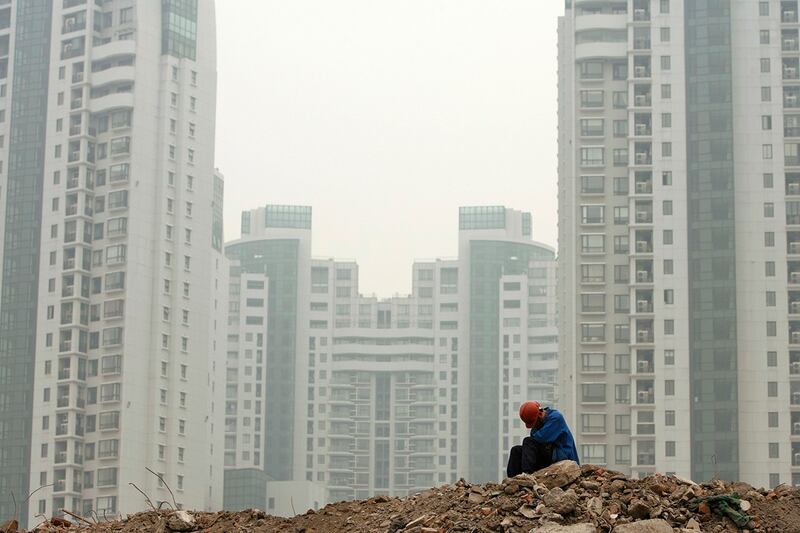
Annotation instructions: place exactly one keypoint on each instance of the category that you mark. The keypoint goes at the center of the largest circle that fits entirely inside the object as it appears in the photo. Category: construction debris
(563, 498)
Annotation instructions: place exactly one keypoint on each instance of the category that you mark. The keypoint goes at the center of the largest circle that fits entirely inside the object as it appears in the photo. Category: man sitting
(550, 441)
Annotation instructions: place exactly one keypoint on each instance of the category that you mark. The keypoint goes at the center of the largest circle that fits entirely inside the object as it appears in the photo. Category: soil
(549, 500)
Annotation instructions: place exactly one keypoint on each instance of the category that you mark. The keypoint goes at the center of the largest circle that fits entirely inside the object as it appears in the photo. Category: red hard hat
(529, 413)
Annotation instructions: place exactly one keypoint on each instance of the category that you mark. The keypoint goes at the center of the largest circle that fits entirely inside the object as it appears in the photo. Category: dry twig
(159, 476)
(146, 497)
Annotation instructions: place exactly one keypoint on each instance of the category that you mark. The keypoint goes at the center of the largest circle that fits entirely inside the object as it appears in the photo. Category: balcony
(790, 70)
(644, 336)
(641, 44)
(644, 305)
(643, 186)
(642, 98)
(794, 302)
(642, 13)
(644, 246)
(644, 212)
(644, 272)
(642, 129)
(790, 44)
(788, 12)
(644, 361)
(793, 243)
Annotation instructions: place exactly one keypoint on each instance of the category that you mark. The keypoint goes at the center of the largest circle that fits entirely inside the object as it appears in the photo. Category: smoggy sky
(386, 116)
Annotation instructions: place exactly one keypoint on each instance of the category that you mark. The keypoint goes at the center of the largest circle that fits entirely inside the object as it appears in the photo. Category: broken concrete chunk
(644, 526)
(558, 474)
(181, 521)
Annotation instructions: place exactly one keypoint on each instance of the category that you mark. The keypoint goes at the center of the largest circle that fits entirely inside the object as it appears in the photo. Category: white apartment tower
(679, 236)
(382, 396)
(112, 269)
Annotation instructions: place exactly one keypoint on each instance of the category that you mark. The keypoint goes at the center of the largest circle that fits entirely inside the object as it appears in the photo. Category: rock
(511, 488)
(558, 474)
(551, 527)
(474, 497)
(744, 505)
(486, 511)
(560, 501)
(617, 485)
(644, 526)
(693, 524)
(180, 521)
(639, 509)
(527, 511)
(590, 485)
(417, 521)
(595, 506)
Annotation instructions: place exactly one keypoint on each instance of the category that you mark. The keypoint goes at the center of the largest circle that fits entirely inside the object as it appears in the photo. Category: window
(622, 424)
(666, 178)
(772, 389)
(665, 35)
(593, 243)
(769, 209)
(774, 450)
(620, 99)
(622, 393)
(620, 128)
(772, 328)
(766, 94)
(621, 186)
(764, 36)
(591, 70)
(666, 149)
(669, 357)
(772, 419)
(666, 91)
(592, 127)
(766, 151)
(769, 269)
(669, 448)
(772, 359)
(592, 156)
(764, 65)
(592, 184)
(768, 180)
(669, 327)
(666, 207)
(666, 62)
(769, 238)
(620, 71)
(664, 6)
(666, 120)
(667, 236)
(592, 214)
(669, 296)
(126, 15)
(592, 98)
(620, 157)
(763, 9)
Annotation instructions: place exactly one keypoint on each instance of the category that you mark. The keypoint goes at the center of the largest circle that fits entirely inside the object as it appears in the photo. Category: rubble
(564, 498)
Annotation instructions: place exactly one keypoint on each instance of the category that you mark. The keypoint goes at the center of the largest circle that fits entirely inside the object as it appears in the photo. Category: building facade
(113, 278)
(678, 193)
(383, 396)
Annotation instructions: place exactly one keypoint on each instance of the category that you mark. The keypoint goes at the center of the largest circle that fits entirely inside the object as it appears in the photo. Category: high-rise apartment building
(376, 395)
(112, 267)
(679, 194)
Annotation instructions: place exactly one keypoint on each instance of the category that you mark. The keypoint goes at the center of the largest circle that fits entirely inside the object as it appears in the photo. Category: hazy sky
(386, 116)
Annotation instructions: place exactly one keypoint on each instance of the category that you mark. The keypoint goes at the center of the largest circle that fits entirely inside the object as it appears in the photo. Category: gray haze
(386, 116)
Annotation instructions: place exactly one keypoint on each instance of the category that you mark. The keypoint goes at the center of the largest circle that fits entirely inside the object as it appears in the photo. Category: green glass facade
(179, 28)
(287, 216)
(711, 240)
(489, 260)
(278, 259)
(245, 488)
(19, 294)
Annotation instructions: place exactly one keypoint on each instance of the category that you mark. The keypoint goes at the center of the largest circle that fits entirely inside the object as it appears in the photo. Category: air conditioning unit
(794, 307)
(639, 13)
(642, 306)
(642, 188)
(794, 188)
(796, 427)
(641, 246)
(790, 72)
(789, 15)
(794, 247)
(796, 397)
(642, 275)
(790, 44)
(790, 100)
(640, 99)
(641, 129)
(643, 366)
(795, 367)
(641, 158)
(640, 71)
(642, 335)
(643, 395)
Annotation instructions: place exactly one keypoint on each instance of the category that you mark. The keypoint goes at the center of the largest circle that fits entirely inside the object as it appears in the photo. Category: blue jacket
(555, 431)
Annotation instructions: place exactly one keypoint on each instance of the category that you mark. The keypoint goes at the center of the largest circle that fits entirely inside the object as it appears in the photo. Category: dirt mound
(563, 498)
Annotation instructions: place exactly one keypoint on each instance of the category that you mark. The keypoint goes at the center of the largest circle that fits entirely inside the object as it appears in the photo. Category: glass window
(591, 70)
(592, 184)
(592, 98)
(592, 127)
(592, 156)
